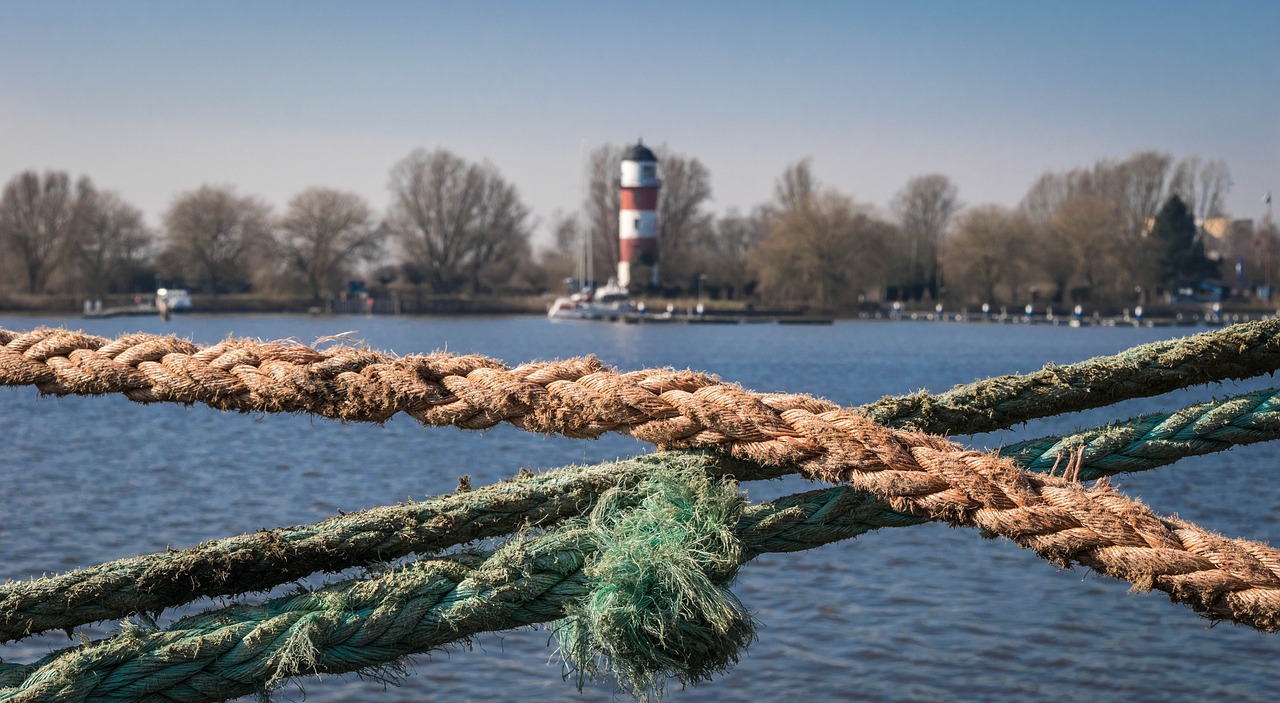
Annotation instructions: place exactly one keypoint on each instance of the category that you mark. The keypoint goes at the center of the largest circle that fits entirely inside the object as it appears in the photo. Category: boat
(94, 309)
(608, 302)
(173, 298)
(166, 301)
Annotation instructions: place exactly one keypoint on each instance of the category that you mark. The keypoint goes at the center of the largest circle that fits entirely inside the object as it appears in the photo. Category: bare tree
(988, 249)
(1053, 258)
(563, 259)
(1215, 183)
(210, 232)
(110, 245)
(324, 233)
(1202, 185)
(924, 208)
(733, 238)
(1136, 186)
(461, 223)
(501, 237)
(600, 208)
(1148, 179)
(38, 218)
(684, 230)
(1045, 196)
(1087, 229)
(829, 253)
(797, 186)
(1091, 224)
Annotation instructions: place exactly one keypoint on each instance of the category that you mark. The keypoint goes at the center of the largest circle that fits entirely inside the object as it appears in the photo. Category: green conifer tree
(1179, 252)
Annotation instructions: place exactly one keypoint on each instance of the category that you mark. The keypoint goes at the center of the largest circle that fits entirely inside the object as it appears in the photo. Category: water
(927, 613)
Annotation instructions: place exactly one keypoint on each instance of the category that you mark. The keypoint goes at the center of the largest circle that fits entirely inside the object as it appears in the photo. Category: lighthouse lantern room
(638, 214)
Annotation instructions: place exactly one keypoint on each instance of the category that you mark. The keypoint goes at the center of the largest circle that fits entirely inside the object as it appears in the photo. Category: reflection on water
(926, 613)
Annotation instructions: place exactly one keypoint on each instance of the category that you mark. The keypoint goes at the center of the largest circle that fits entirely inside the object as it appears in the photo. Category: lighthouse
(638, 213)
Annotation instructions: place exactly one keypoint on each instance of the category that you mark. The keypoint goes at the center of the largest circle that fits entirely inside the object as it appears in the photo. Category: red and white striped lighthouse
(638, 213)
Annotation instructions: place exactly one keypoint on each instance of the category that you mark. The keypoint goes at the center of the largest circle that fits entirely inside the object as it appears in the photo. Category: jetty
(696, 318)
(139, 309)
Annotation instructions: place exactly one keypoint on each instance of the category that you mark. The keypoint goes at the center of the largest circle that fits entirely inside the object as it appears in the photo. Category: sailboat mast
(587, 263)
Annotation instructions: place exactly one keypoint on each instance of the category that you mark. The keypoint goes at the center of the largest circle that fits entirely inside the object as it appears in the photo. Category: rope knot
(660, 607)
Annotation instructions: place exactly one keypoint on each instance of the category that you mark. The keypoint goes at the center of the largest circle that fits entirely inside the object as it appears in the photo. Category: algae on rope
(659, 606)
(262, 560)
(363, 623)
(904, 477)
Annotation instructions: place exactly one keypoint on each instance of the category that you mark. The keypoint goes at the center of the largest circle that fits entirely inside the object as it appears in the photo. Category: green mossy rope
(366, 625)
(1236, 352)
(263, 560)
(369, 625)
(1159, 439)
(681, 615)
(659, 607)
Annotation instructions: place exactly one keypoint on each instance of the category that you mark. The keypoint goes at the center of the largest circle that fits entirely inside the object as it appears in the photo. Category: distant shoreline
(536, 305)
(254, 304)
(426, 305)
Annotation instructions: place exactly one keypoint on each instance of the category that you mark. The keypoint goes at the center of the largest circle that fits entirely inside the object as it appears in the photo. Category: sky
(154, 99)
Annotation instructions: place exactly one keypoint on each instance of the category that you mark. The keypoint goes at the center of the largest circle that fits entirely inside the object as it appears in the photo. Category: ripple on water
(926, 613)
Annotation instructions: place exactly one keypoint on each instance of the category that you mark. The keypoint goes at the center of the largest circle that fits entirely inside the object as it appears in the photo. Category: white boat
(173, 298)
(170, 300)
(608, 302)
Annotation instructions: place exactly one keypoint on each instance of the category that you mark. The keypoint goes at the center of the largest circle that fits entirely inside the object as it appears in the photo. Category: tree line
(1104, 235)
(452, 227)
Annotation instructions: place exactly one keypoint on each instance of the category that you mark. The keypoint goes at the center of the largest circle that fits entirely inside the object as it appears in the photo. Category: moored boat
(608, 302)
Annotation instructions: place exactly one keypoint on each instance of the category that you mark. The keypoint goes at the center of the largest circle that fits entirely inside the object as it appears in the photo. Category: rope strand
(475, 392)
(891, 477)
(362, 624)
(915, 473)
(1159, 439)
(1240, 351)
(266, 559)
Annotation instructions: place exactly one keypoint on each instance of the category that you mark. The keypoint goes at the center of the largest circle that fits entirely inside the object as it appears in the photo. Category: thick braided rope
(917, 473)
(476, 392)
(268, 558)
(265, 559)
(1239, 351)
(1159, 439)
(352, 626)
(358, 624)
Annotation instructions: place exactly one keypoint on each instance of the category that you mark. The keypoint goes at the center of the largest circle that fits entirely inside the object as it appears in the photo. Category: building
(638, 214)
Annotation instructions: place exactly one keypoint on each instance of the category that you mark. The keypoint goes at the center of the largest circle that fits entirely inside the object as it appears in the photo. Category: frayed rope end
(660, 608)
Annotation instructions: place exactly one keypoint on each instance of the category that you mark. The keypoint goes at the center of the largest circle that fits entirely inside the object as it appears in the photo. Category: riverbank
(436, 305)
(259, 304)
(682, 310)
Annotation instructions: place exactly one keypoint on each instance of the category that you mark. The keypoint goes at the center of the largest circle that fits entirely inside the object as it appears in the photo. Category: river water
(926, 613)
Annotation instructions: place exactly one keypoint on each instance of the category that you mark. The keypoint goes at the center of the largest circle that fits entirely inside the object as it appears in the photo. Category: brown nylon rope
(923, 474)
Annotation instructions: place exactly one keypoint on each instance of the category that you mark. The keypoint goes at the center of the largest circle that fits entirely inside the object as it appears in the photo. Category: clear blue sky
(155, 98)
